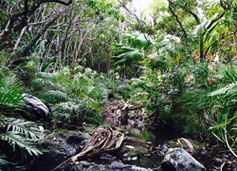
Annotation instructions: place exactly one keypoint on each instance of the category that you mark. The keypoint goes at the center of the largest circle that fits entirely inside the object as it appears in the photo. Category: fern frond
(23, 127)
(229, 88)
(54, 96)
(20, 133)
(45, 75)
(10, 96)
(3, 160)
(16, 139)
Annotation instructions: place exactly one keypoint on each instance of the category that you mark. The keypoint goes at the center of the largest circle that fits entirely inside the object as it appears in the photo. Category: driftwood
(104, 140)
(116, 113)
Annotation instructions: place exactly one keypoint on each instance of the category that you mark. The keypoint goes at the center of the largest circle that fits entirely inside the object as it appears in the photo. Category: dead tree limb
(25, 52)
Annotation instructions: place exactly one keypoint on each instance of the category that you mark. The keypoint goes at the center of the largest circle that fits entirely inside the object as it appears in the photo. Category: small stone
(125, 155)
(41, 128)
(147, 155)
(107, 157)
(129, 146)
(204, 152)
(134, 158)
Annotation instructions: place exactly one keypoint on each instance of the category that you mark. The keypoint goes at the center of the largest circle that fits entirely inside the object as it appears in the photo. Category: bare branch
(137, 18)
(19, 38)
(22, 19)
(177, 19)
(58, 1)
(29, 46)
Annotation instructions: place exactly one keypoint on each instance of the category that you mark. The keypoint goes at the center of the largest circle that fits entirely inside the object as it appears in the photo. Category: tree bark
(29, 46)
(20, 20)
(178, 21)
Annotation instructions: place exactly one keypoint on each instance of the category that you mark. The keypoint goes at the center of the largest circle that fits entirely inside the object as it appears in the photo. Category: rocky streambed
(133, 149)
(135, 154)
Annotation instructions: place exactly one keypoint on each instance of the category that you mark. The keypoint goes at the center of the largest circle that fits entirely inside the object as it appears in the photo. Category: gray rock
(59, 148)
(177, 159)
(68, 143)
(92, 166)
(35, 106)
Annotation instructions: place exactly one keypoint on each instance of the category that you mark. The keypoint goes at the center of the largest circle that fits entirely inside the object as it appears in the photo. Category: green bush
(18, 138)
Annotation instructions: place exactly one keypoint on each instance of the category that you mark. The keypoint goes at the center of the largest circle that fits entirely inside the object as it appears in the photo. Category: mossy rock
(133, 147)
(188, 144)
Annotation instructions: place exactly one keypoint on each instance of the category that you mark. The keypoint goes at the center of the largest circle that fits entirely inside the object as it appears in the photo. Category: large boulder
(36, 107)
(177, 159)
(59, 147)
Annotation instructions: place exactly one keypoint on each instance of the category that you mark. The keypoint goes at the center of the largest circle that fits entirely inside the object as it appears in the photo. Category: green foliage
(146, 136)
(16, 135)
(201, 73)
(4, 17)
(20, 134)
(128, 56)
(53, 96)
(225, 98)
(10, 97)
(77, 98)
(76, 113)
(124, 57)
(166, 80)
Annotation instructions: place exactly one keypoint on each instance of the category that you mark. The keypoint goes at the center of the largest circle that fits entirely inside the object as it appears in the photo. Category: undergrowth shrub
(79, 96)
(183, 96)
(19, 138)
(76, 113)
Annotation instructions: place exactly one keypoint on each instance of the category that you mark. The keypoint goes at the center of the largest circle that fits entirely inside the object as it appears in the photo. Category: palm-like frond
(20, 133)
(10, 96)
(26, 128)
(3, 160)
(126, 56)
(9, 91)
(230, 88)
(16, 139)
(53, 96)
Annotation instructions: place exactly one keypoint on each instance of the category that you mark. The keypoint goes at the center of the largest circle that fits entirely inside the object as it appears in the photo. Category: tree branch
(218, 40)
(59, 1)
(195, 16)
(21, 18)
(138, 20)
(177, 19)
(226, 8)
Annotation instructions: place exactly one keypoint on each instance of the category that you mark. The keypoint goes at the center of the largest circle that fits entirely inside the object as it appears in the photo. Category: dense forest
(118, 85)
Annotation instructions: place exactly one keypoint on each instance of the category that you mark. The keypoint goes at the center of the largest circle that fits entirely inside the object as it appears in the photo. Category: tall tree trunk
(201, 48)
